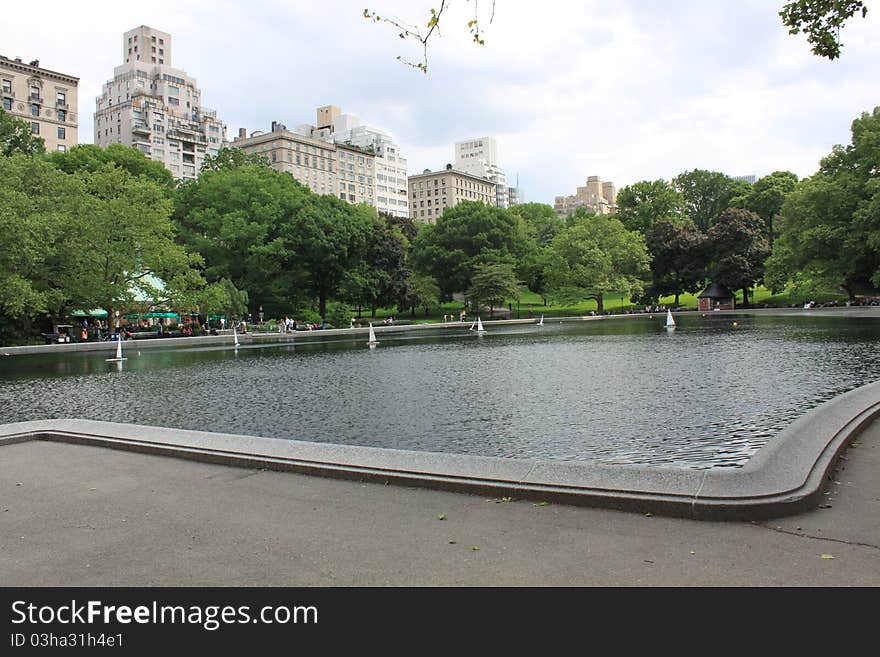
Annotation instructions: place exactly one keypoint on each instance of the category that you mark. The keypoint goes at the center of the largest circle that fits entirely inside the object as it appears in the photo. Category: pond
(622, 391)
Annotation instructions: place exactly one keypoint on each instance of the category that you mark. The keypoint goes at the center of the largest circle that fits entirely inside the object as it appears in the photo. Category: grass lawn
(531, 305)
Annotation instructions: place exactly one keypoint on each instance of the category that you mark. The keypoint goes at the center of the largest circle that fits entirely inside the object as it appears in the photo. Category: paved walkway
(73, 515)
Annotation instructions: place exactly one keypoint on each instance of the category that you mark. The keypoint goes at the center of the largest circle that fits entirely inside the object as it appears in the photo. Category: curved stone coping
(787, 476)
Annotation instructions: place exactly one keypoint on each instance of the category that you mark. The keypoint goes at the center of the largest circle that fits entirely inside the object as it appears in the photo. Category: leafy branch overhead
(431, 27)
(821, 21)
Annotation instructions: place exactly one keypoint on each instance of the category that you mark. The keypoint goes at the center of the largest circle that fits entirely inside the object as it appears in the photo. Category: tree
(821, 21)
(16, 137)
(830, 224)
(738, 249)
(420, 291)
(596, 256)
(642, 204)
(321, 240)
(707, 194)
(233, 158)
(123, 241)
(467, 235)
(491, 285)
(91, 158)
(677, 252)
(765, 198)
(36, 202)
(229, 216)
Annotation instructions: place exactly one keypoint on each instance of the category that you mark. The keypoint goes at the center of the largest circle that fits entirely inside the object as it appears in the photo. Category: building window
(35, 128)
(62, 115)
(61, 98)
(62, 133)
(7, 86)
(35, 110)
(7, 104)
(35, 92)
(62, 148)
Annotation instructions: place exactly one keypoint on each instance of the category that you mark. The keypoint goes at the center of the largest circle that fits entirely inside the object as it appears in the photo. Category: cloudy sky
(627, 90)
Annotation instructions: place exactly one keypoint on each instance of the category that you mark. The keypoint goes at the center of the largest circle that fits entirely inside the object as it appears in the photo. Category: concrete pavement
(80, 515)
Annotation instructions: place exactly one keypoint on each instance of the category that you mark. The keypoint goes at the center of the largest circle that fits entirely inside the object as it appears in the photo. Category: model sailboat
(372, 341)
(235, 337)
(670, 323)
(541, 321)
(480, 329)
(119, 357)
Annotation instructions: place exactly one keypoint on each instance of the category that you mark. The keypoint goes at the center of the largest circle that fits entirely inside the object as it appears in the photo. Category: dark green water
(622, 391)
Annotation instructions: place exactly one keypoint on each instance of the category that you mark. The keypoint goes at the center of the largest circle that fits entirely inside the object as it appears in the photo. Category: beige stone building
(432, 192)
(157, 108)
(346, 171)
(46, 100)
(596, 196)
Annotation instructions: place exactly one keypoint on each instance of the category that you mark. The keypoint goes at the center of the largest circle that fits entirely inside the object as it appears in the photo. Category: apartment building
(157, 108)
(333, 126)
(479, 157)
(596, 196)
(344, 170)
(46, 100)
(432, 192)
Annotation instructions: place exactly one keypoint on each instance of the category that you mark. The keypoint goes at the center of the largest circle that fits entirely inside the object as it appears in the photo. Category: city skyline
(633, 91)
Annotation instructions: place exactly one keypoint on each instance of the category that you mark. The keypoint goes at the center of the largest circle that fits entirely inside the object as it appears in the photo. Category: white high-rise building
(390, 173)
(157, 108)
(479, 157)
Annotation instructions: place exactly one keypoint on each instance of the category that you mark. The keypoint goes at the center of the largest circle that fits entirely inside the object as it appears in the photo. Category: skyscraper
(157, 108)
(479, 157)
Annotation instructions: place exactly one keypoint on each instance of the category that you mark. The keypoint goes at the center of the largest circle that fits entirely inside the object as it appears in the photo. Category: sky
(627, 90)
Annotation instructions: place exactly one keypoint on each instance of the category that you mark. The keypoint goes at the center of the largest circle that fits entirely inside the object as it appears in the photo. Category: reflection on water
(625, 391)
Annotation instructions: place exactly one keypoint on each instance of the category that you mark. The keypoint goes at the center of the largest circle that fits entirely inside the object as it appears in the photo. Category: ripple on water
(622, 392)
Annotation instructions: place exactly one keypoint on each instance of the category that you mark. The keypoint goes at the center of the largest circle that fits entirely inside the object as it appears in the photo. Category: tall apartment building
(344, 170)
(390, 165)
(432, 192)
(157, 108)
(46, 100)
(480, 157)
(596, 196)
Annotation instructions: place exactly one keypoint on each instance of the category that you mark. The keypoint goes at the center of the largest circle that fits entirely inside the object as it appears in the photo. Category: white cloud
(629, 90)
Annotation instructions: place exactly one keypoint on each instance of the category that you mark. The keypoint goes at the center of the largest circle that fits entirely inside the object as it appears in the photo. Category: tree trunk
(412, 311)
(676, 299)
(745, 296)
(600, 307)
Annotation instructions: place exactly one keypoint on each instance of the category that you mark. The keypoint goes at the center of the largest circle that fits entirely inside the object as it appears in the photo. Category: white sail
(372, 339)
(541, 321)
(235, 336)
(480, 328)
(118, 357)
(473, 325)
(670, 323)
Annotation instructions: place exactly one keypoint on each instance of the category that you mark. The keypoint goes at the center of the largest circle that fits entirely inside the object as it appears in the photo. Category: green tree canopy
(491, 285)
(92, 158)
(16, 137)
(595, 256)
(233, 158)
(738, 249)
(765, 198)
(830, 224)
(642, 204)
(821, 21)
(467, 235)
(678, 258)
(707, 194)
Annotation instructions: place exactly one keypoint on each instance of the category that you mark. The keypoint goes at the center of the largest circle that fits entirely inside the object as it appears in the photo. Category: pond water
(623, 391)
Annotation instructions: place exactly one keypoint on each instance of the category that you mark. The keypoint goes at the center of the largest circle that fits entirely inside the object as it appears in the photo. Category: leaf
(827, 556)
(475, 547)
(542, 503)
(441, 516)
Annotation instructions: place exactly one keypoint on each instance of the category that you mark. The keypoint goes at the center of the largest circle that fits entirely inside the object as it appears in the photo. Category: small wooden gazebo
(716, 297)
